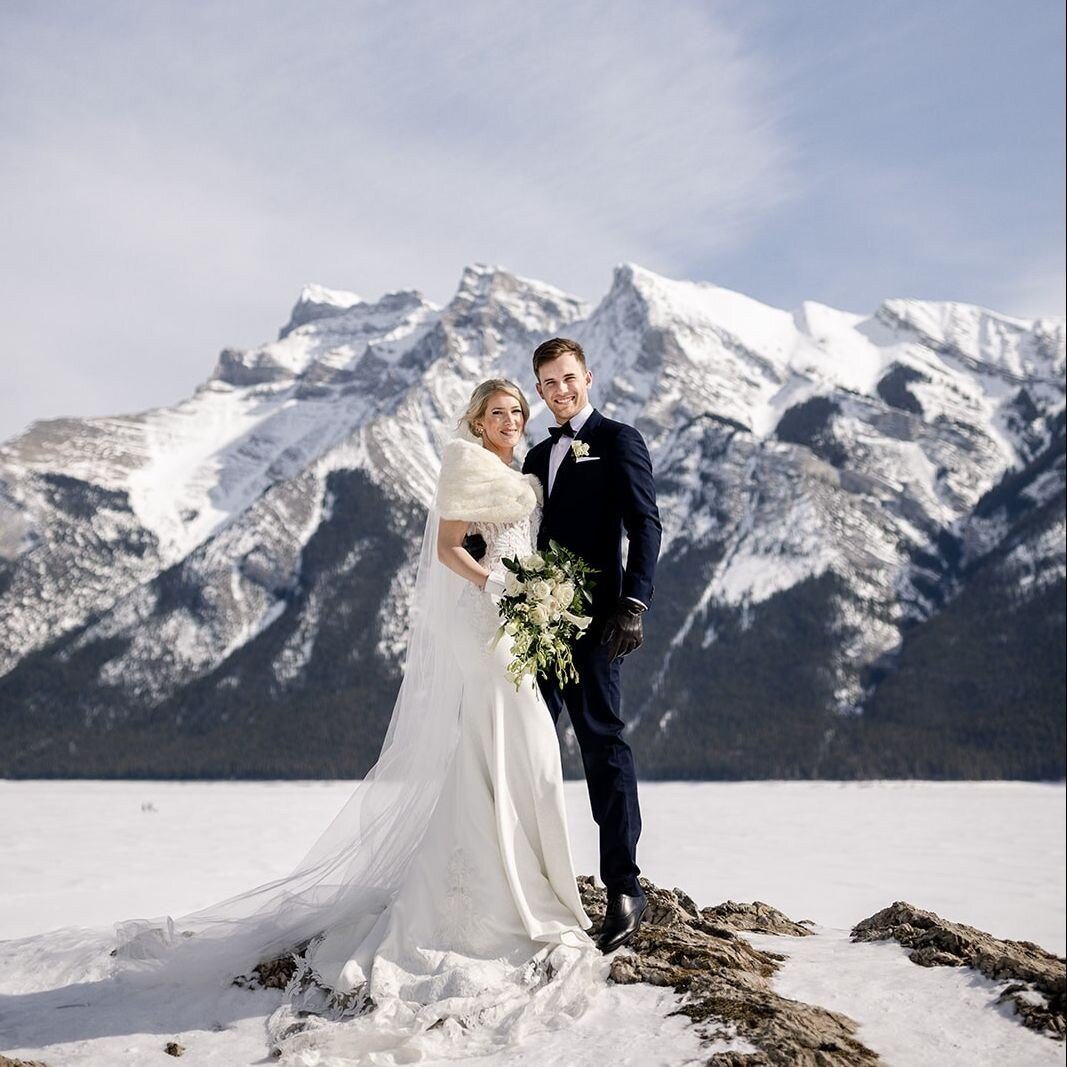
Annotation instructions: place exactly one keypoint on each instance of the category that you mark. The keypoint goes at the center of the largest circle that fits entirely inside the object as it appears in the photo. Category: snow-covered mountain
(859, 511)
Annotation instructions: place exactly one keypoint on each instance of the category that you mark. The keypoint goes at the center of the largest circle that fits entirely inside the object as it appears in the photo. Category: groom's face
(563, 384)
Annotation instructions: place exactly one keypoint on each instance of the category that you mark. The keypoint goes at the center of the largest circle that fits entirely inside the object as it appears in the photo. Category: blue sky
(175, 172)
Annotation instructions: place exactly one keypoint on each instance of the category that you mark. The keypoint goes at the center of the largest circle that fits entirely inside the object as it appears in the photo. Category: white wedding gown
(485, 940)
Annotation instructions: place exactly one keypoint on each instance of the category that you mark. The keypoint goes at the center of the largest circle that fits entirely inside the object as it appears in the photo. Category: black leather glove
(475, 545)
(623, 632)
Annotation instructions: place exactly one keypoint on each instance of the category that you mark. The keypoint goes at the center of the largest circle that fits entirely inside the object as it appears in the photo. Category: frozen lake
(986, 853)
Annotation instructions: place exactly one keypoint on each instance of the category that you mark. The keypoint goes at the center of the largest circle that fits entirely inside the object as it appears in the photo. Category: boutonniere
(579, 448)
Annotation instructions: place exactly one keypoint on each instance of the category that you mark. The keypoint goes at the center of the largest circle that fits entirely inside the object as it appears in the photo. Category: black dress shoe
(621, 921)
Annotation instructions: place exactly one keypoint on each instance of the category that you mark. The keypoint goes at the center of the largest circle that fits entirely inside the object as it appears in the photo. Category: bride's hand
(494, 584)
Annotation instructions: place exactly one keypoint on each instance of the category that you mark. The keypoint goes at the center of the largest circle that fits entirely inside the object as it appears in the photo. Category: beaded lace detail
(507, 538)
(502, 539)
(456, 919)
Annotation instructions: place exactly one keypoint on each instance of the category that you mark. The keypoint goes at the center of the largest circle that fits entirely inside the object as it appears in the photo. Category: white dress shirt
(559, 449)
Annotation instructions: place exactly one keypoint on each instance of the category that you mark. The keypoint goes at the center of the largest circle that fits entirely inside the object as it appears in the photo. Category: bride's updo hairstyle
(480, 401)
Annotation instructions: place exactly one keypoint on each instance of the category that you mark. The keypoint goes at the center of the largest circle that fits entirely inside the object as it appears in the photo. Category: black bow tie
(566, 429)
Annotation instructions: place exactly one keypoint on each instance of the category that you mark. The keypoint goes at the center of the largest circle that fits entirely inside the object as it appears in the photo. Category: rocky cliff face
(862, 569)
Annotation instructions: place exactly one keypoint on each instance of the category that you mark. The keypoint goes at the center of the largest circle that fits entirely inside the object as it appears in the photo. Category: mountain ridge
(821, 476)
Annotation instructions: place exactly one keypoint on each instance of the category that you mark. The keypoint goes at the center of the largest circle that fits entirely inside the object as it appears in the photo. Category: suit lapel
(569, 460)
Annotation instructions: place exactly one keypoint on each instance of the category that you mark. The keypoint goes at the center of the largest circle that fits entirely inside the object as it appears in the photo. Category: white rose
(565, 593)
(540, 590)
(539, 613)
(513, 584)
(534, 563)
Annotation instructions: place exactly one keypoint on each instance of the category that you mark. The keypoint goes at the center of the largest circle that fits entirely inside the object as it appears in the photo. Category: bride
(438, 914)
(487, 909)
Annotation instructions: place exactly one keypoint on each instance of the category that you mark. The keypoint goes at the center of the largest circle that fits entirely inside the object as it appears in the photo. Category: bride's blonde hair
(479, 401)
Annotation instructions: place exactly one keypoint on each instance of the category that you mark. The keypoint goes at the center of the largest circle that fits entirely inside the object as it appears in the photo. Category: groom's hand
(475, 544)
(624, 633)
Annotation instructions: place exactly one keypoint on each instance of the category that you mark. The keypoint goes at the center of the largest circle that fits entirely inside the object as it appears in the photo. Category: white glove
(494, 584)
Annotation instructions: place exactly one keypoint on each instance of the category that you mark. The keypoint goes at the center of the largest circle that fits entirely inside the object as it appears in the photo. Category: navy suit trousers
(593, 704)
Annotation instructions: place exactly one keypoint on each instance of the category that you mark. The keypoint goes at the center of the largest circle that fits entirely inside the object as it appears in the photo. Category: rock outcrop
(1037, 980)
(726, 983)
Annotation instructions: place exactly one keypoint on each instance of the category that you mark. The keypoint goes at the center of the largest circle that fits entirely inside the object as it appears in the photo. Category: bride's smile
(502, 424)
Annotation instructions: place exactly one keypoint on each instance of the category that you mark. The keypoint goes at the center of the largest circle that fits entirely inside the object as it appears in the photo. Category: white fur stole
(477, 486)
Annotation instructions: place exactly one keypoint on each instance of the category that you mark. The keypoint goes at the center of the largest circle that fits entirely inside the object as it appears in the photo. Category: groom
(598, 483)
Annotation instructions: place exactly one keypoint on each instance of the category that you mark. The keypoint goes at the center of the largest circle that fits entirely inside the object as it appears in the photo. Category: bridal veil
(359, 861)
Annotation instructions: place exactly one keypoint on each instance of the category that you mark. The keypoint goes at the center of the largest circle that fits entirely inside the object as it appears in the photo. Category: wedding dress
(489, 911)
(437, 916)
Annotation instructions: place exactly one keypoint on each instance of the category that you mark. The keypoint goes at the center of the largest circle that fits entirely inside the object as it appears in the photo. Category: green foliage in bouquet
(545, 594)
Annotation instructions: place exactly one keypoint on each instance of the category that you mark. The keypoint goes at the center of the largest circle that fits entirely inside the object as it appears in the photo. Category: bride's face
(502, 423)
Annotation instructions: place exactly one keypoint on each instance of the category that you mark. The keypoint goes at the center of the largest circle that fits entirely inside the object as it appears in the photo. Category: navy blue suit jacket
(595, 500)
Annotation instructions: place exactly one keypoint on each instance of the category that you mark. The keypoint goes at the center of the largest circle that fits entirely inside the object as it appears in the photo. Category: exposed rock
(757, 918)
(1037, 979)
(172, 1048)
(6, 1061)
(726, 983)
(272, 974)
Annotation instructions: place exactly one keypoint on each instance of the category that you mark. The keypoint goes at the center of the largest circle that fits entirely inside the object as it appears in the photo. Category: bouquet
(544, 594)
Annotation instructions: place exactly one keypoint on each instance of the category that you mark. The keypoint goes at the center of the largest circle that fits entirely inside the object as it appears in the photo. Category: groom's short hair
(553, 349)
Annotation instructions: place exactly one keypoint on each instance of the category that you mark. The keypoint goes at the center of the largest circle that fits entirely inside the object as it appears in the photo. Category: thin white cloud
(181, 170)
